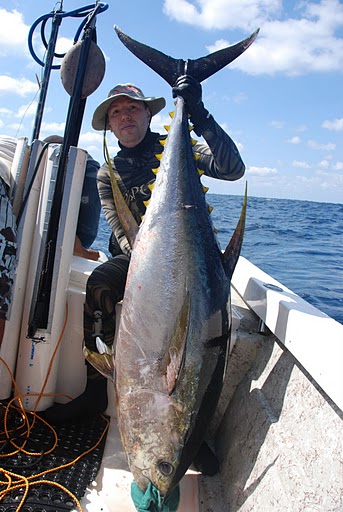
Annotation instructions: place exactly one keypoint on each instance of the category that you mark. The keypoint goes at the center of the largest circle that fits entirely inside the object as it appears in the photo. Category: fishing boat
(277, 430)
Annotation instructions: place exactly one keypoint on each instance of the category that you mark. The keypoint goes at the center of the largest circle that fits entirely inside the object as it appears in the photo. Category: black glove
(190, 90)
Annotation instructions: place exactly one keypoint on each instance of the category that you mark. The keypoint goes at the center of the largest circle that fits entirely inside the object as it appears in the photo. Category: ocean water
(299, 243)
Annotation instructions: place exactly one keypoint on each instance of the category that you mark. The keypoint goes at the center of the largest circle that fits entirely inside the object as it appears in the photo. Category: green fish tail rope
(152, 501)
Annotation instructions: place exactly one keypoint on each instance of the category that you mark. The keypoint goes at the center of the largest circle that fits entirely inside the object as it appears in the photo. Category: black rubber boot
(92, 401)
(205, 461)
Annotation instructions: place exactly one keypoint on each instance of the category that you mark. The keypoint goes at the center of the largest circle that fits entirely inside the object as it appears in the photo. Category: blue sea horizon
(298, 242)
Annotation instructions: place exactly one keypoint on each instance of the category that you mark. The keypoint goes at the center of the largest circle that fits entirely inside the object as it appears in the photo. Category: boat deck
(268, 434)
(110, 492)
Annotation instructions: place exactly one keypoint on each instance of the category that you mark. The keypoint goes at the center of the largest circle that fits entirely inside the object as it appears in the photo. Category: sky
(281, 101)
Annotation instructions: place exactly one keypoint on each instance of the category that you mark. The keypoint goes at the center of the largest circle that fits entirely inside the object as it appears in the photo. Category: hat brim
(155, 104)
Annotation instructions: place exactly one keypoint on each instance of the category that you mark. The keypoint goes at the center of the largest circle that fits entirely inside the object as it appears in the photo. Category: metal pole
(71, 136)
(46, 75)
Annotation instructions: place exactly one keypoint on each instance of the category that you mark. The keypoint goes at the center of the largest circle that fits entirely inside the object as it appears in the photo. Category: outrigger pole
(41, 302)
(57, 19)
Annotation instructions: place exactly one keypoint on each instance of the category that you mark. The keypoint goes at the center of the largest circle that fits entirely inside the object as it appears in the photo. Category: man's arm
(83, 252)
(221, 158)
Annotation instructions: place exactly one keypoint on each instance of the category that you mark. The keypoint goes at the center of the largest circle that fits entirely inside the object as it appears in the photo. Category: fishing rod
(41, 302)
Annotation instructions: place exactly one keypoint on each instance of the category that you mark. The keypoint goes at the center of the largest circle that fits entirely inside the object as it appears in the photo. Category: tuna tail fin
(170, 69)
(233, 249)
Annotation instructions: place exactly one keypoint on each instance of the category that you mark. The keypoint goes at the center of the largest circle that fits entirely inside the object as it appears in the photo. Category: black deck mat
(74, 438)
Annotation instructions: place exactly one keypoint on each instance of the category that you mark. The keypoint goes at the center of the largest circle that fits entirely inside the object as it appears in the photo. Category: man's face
(129, 120)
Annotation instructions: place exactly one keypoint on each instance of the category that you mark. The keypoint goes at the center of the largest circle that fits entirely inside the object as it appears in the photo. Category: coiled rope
(13, 481)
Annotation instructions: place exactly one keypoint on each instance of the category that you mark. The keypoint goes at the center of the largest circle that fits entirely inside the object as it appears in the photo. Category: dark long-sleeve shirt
(132, 167)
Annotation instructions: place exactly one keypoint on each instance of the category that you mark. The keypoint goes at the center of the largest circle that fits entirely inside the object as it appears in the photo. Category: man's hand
(190, 90)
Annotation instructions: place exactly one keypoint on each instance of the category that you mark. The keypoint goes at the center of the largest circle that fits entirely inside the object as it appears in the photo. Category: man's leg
(105, 288)
(8, 254)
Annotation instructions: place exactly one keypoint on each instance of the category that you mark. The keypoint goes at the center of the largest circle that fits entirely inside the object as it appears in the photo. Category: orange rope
(16, 481)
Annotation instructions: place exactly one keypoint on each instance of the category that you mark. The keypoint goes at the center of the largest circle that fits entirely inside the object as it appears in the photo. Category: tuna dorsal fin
(233, 249)
(172, 362)
(170, 69)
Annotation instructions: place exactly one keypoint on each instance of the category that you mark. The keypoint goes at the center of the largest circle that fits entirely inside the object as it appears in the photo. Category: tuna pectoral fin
(172, 362)
(103, 363)
(233, 250)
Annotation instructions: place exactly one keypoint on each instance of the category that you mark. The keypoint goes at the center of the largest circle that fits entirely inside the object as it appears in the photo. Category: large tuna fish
(174, 330)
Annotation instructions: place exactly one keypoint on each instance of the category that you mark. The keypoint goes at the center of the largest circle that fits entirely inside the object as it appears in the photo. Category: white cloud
(63, 44)
(324, 164)
(338, 166)
(240, 97)
(13, 33)
(91, 138)
(262, 171)
(5, 112)
(301, 128)
(294, 140)
(159, 121)
(19, 86)
(52, 128)
(93, 143)
(277, 124)
(221, 14)
(300, 164)
(16, 126)
(335, 124)
(313, 144)
(292, 45)
(27, 110)
(322, 181)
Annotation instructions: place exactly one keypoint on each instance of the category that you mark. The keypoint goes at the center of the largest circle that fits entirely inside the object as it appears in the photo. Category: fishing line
(23, 116)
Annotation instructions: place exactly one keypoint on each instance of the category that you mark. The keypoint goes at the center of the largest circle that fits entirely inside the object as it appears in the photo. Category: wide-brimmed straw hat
(155, 104)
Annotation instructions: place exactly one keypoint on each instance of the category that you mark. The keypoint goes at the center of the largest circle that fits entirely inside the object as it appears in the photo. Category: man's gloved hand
(190, 90)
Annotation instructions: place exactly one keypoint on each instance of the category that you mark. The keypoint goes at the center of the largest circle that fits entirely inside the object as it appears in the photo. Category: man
(8, 230)
(90, 207)
(127, 114)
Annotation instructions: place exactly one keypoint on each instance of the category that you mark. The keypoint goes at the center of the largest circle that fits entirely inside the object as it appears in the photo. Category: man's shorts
(8, 250)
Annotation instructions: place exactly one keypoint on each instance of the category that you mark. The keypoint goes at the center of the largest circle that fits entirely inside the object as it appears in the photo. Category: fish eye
(166, 468)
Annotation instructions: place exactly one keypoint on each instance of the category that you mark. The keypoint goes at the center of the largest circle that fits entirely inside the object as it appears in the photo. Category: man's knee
(110, 274)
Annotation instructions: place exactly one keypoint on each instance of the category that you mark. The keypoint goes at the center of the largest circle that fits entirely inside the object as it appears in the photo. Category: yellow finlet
(200, 172)
(155, 171)
(210, 208)
(172, 114)
(196, 156)
(167, 127)
(193, 141)
(205, 189)
(216, 231)
(151, 186)
(146, 203)
(162, 142)
(159, 156)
